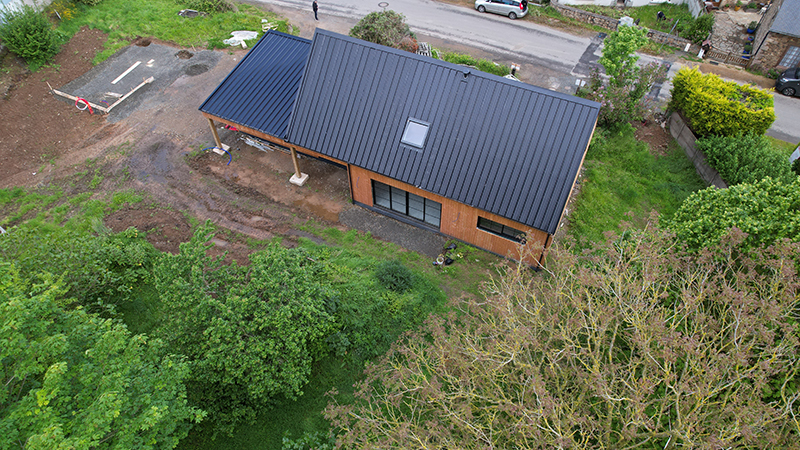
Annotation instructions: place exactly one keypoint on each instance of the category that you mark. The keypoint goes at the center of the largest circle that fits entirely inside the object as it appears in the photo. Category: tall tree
(635, 344)
(72, 380)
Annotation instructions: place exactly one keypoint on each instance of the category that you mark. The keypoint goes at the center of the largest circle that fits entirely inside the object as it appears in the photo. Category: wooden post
(296, 164)
(298, 178)
(214, 130)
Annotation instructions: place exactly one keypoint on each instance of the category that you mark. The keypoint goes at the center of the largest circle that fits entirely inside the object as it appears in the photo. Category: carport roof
(260, 91)
(499, 145)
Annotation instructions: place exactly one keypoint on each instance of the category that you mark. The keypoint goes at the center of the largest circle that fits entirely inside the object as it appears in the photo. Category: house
(474, 156)
(777, 39)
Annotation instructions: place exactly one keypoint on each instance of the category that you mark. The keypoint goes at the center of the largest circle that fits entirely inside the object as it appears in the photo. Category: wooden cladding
(457, 219)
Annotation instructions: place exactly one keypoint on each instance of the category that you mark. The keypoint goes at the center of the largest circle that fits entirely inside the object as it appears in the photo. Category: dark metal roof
(496, 144)
(260, 91)
(787, 19)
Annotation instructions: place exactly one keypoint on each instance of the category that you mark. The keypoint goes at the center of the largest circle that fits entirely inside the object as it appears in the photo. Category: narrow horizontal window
(501, 230)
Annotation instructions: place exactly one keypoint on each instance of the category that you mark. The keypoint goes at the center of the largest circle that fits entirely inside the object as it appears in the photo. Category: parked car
(789, 82)
(510, 8)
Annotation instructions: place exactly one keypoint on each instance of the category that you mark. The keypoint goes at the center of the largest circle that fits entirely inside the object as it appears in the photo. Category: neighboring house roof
(787, 19)
(499, 145)
(260, 91)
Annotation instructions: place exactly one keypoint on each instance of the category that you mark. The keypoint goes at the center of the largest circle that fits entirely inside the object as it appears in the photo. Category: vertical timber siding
(458, 220)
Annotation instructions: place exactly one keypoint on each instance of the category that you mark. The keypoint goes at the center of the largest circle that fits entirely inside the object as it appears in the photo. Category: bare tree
(635, 344)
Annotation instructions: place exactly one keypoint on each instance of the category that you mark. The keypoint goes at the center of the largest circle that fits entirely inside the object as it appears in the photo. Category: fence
(728, 58)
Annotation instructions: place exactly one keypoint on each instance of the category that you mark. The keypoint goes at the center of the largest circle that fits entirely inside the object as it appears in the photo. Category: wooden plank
(75, 99)
(121, 99)
(126, 72)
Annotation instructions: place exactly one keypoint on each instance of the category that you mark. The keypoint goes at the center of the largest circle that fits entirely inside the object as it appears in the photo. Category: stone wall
(611, 24)
(686, 139)
(585, 16)
(772, 51)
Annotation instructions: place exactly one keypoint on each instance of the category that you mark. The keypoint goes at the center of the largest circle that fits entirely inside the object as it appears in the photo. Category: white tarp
(239, 37)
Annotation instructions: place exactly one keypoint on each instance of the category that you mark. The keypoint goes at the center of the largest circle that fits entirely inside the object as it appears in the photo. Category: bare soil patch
(654, 135)
(36, 128)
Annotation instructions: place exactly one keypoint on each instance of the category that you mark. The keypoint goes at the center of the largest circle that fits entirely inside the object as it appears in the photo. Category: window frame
(416, 122)
(431, 210)
(518, 236)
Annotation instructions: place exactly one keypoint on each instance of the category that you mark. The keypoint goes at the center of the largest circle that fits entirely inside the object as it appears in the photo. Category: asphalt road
(787, 122)
(519, 39)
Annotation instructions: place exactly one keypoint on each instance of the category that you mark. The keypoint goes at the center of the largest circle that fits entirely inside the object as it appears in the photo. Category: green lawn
(622, 176)
(123, 20)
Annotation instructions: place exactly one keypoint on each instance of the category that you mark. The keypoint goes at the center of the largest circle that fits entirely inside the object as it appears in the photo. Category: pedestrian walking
(314, 7)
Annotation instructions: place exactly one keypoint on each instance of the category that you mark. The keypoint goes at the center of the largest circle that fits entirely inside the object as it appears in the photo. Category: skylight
(416, 132)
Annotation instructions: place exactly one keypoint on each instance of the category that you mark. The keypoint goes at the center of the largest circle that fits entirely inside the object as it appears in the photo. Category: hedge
(767, 210)
(745, 158)
(717, 107)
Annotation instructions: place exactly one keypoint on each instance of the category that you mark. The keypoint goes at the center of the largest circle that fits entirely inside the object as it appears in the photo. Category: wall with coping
(686, 139)
(611, 24)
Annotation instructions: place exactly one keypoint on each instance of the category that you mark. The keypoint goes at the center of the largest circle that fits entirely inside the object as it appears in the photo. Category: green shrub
(745, 158)
(484, 65)
(699, 29)
(89, 2)
(717, 107)
(394, 276)
(385, 28)
(766, 210)
(29, 35)
(796, 166)
(209, 6)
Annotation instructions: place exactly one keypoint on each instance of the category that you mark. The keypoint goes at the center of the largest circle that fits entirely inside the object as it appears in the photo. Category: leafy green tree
(251, 333)
(635, 344)
(766, 210)
(745, 158)
(28, 34)
(386, 28)
(72, 380)
(622, 99)
(99, 269)
(619, 54)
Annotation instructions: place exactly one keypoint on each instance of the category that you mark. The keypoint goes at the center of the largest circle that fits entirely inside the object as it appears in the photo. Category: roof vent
(466, 73)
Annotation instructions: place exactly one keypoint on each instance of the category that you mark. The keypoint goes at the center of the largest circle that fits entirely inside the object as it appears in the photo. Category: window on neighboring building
(415, 133)
(499, 229)
(791, 58)
(406, 203)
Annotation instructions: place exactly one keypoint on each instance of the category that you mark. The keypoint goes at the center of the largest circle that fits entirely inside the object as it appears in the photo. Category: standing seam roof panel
(461, 158)
(246, 98)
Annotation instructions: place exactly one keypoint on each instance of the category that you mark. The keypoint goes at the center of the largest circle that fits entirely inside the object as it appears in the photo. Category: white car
(510, 8)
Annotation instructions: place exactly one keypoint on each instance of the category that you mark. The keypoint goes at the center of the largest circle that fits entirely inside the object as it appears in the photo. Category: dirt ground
(156, 150)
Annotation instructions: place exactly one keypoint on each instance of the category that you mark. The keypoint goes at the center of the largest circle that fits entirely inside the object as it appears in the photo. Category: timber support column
(219, 143)
(298, 178)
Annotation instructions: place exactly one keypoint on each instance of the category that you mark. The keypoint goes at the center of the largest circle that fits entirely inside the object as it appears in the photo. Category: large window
(406, 203)
(499, 229)
(791, 58)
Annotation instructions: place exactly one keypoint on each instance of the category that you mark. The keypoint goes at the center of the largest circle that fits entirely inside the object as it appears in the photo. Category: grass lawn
(123, 20)
(622, 176)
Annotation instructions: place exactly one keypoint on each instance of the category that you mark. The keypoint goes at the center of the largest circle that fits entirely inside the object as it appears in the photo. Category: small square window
(415, 133)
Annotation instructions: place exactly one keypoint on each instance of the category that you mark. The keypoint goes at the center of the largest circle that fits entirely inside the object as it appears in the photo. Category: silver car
(510, 8)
